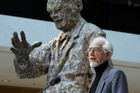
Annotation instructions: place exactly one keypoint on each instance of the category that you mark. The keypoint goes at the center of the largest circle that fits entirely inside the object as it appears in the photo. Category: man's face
(64, 13)
(96, 54)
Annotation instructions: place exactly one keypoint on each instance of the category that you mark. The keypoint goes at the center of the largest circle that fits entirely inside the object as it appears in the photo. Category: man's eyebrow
(93, 47)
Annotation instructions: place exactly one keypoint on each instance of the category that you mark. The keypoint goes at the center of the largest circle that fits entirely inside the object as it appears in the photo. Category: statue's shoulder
(91, 30)
(90, 27)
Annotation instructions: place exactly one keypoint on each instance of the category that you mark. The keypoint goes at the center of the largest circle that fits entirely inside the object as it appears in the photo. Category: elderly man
(107, 79)
(62, 58)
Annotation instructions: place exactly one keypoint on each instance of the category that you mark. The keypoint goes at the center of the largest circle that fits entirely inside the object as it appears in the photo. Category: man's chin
(94, 64)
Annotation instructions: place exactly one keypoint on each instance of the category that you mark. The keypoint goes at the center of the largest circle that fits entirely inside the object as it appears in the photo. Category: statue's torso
(74, 72)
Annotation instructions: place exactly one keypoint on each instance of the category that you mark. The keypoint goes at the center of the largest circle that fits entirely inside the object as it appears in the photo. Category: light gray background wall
(126, 45)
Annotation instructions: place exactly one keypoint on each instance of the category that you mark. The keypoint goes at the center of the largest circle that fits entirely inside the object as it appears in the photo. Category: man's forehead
(96, 44)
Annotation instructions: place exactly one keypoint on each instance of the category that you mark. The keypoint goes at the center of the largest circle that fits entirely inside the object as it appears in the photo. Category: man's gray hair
(107, 46)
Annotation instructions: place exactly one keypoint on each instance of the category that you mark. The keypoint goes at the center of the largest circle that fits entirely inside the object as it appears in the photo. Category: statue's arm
(29, 63)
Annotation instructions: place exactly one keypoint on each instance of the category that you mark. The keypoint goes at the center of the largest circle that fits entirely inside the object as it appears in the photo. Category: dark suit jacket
(113, 80)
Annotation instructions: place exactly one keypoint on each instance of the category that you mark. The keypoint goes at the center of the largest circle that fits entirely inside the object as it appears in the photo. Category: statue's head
(65, 13)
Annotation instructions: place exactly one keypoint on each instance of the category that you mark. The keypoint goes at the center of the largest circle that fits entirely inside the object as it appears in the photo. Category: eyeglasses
(94, 49)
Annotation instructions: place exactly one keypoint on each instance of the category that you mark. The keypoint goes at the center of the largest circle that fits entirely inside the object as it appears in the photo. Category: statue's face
(63, 12)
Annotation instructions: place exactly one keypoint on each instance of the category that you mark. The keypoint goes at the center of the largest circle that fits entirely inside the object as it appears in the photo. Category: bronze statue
(63, 57)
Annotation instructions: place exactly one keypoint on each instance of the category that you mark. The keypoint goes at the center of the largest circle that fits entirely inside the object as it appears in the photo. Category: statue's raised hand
(21, 48)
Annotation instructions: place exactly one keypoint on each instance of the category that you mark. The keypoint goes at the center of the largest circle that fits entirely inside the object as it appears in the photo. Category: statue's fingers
(36, 45)
(14, 43)
(23, 37)
(16, 39)
(14, 51)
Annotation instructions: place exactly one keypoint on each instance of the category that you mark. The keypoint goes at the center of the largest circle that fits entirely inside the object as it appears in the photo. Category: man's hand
(21, 48)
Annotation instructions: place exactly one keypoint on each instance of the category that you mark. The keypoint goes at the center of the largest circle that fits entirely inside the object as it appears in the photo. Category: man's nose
(91, 53)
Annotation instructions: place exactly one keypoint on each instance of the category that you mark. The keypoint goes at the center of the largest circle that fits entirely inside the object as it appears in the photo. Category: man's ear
(107, 55)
